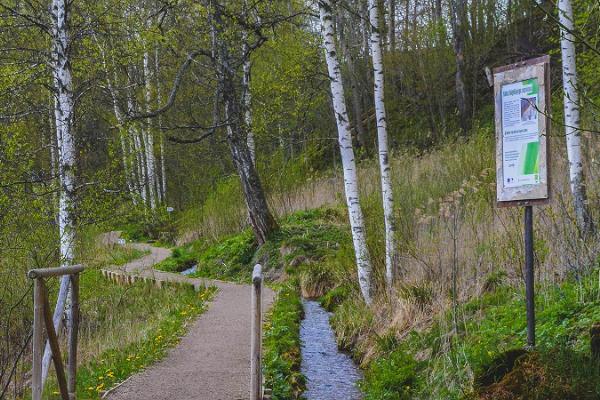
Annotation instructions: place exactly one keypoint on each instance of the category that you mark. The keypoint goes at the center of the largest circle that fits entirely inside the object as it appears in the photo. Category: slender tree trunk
(571, 109)
(148, 133)
(391, 25)
(63, 112)
(363, 259)
(247, 99)
(382, 140)
(138, 147)
(457, 13)
(163, 170)
(262, 221)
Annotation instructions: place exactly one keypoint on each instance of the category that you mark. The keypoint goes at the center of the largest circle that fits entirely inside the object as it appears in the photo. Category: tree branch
(176, 84)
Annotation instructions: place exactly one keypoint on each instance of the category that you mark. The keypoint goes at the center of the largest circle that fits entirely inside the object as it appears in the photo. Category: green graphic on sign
(530, 162)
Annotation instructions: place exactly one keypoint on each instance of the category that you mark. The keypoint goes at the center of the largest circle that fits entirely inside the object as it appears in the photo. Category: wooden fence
(42, 320)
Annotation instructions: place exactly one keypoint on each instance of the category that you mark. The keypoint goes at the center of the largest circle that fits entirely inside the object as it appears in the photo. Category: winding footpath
(212, 361)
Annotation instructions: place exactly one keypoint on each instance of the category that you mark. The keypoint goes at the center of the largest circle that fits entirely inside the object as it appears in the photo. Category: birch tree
(382, 141)
(63, 116)
(261, 220)
(148, 134)
(247, 100)
(163, 169)
(571, 110)
(363, 259)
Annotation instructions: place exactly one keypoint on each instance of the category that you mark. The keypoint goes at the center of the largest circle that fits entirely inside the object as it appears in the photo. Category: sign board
(522, 99)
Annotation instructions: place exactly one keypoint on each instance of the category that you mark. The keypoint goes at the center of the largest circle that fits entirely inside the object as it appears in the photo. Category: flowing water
(330, 374)
(190, 270)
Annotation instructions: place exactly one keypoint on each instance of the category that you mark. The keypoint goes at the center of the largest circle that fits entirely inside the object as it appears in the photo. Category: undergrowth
(281, 343)
(442, 363)
(305, 237)
(125, 329)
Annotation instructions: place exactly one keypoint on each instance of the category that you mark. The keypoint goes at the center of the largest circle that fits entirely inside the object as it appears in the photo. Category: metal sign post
(529, 277)
(522, 100)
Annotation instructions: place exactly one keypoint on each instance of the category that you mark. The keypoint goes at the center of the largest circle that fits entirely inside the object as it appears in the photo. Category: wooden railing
(42, 318)
(256, 391)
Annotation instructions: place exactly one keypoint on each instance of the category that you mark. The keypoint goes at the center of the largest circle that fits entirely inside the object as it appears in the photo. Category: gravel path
(212, 361)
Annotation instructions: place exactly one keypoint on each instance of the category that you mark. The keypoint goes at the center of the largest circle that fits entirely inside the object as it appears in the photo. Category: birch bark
(163, 170)
(247, 97)
(382, 141)
(63, 116)
(363, 259)
(140, 160)
(572, 122)
(148, 134)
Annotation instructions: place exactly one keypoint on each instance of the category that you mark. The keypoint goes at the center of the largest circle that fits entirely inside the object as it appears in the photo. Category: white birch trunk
(148, 135)
(63, 112)
(163, 171)
(382, 140)
(140, 160)
(571, 110)
(247, 99)
(363, 259)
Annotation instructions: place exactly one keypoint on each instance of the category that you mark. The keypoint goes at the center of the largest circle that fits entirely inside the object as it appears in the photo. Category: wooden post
(73, 332)
(42, 316)
(53, 340)
(38, 340)
(255, 350)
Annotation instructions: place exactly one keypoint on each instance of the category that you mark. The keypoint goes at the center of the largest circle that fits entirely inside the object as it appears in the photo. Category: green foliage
(391, 378)
(490, 328)
(230, 258)
(281, 343)
(305, 236)
(335, 297)
(181, 259)
(123, 254)
(143, 227)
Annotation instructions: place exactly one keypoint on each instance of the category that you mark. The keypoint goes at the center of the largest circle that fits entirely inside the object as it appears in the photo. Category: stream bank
(330, 373)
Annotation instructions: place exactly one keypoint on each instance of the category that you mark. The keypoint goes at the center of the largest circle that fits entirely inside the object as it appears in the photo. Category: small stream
(330, 374)
(190, 270)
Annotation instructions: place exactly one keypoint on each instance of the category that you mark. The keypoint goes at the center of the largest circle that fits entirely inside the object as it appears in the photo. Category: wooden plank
(256, 340)
(49, 272)
(56, 356)
(73, 332)
(38, 340)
